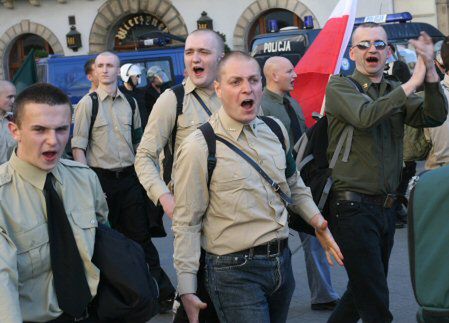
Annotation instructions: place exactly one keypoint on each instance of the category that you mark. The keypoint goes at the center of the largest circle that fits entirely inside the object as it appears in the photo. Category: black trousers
(128, 215)
(365, 235)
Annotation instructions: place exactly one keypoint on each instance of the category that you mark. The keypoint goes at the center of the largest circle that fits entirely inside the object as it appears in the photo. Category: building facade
(121, 25)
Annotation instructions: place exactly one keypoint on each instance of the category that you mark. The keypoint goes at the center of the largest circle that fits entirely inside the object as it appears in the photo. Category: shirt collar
(366, 82)
(234, 128)
(102, 94)
(274, 96)
(30, 173)
(189, 87)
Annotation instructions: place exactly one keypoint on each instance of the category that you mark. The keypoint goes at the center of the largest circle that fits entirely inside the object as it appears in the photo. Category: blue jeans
(365, 234)
(246, 288)
(318, 272)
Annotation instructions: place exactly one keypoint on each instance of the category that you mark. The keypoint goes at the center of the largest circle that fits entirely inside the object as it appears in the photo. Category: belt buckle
(276, 244)
(84, 316)
(389, 201)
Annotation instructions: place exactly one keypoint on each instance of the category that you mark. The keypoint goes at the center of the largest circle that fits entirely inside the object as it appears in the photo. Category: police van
(67, 72)
(292, 43)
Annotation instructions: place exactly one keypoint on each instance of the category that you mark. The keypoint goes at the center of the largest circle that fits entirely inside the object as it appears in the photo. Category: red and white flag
(323, 58)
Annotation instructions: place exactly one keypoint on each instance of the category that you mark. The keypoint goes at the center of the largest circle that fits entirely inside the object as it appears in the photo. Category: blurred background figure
(7, 96)
(131, 76)
(157, 82)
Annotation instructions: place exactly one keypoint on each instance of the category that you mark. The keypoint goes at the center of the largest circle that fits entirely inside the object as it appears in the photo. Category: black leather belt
(124, 172)
(269, 249)
(386, 201)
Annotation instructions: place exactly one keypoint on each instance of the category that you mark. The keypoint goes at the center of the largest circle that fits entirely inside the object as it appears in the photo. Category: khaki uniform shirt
(439, 137)
(378, 116)
(110, 146)
(26, 290)
(240, 209)
(159, 129)
(273, 105)
(7, 143)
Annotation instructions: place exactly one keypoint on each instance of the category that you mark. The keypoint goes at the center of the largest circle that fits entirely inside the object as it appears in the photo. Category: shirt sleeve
(83, 114)
(156, 135)
(428, 112)
(101, 206)
(357, 109)
(192, 200)
(9, 294)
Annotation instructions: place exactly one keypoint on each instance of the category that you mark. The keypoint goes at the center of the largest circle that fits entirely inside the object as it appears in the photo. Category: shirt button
(116, 128)
(271, 203)
(192, 122)
(93, 221)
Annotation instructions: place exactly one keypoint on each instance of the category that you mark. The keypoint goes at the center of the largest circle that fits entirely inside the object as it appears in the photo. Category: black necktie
(72, 290)
(294, 121)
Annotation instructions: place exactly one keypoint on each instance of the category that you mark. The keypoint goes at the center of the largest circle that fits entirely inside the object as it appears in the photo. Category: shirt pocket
(100, 129)
(230, 179)
(33, 252)
(187, 123)
(280, 164)
(84, 225)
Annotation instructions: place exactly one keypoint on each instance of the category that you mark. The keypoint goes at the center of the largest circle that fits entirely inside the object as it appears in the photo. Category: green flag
(26, 75)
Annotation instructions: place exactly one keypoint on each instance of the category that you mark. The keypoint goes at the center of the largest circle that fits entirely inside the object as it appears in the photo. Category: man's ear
(217, 88)
(14, 130)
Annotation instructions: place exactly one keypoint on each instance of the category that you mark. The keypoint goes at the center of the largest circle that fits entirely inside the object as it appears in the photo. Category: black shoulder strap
(287, 199)
(179, 92)
(168, 154)
(209, 135)
(274, 126)
(196, 95)
(93, 117)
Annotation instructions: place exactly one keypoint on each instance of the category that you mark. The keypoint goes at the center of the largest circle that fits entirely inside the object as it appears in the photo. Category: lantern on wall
(205, 22)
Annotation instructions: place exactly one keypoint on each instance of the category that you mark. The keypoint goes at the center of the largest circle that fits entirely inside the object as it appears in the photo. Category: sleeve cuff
(157, 191)
(79, 142)
(187, 283)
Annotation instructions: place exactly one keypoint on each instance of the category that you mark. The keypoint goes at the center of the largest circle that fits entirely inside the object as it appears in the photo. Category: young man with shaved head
(108, 146)
(365, 183)
(7, 96)
(50, 208)
(276, 101)
(168, 126)
(238, 218)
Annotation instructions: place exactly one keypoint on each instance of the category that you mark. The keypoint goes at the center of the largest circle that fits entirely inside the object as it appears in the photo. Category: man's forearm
(79, 155)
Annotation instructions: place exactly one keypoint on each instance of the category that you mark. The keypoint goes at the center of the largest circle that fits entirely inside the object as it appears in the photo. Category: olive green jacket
(378, 118)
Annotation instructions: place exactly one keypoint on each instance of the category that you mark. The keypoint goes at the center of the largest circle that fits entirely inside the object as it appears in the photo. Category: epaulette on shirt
(72, 163)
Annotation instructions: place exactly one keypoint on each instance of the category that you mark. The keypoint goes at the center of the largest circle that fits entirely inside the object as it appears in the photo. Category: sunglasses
(364, 45)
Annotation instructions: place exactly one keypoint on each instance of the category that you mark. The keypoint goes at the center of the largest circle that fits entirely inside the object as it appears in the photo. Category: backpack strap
(93, 117)
(276, 128)
(198, 98)
(169, 154)
(209, 135)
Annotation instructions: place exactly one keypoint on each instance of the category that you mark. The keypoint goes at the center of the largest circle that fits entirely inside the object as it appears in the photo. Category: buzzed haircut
(366, 25)
(217, 37)
(42, 93)
(231, 55)
(107, 53)
(89, 66)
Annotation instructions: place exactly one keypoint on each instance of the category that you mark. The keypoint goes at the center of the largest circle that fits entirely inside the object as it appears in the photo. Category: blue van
(292, 43)
(67, 72)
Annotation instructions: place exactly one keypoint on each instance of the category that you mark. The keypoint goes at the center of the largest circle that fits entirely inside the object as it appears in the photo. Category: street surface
(402, 302)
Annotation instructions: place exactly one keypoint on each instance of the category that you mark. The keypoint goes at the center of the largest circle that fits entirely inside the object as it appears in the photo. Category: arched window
(22, 46)
(282, 18)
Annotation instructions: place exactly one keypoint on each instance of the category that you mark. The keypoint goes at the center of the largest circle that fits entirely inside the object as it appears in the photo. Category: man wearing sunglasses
(365, 182)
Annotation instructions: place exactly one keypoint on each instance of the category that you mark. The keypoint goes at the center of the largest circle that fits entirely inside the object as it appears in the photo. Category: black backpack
(312, 161)
(295, 221)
